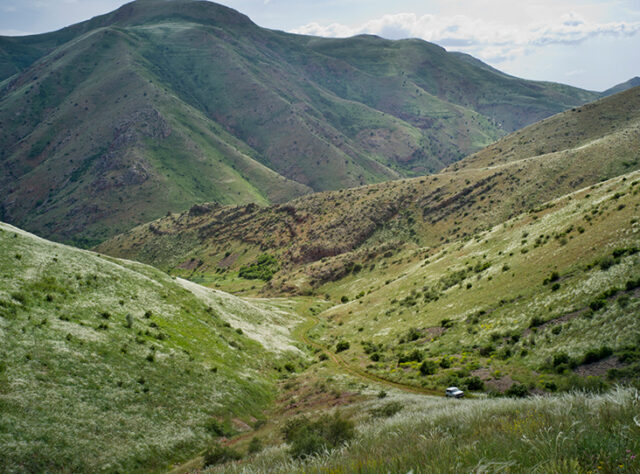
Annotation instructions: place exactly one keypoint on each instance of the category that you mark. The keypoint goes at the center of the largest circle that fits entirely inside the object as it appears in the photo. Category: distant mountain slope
(633, 82)
(112, 365)
(317, 237)
(163, 104)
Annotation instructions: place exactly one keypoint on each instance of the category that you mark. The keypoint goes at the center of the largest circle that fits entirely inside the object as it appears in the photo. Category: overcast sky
(591, 44)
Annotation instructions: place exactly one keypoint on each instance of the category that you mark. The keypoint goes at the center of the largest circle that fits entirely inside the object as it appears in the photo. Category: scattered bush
(536, 321)
(486, 351)
(595, 355)
(387, 410)
(473, 383)
(310, 437)
(263, 269)
(446, 323)
(555, 276)
(428, 367)
(517, 390)
(220, 454)
(342, 346)
(217, 429)
(413, 334)
(255, 445)
(597, 304)
(413, 356)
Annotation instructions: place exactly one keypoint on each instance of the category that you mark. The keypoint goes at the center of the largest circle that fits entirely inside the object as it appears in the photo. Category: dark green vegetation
(165, 104)
(112, 365)
(308, 437)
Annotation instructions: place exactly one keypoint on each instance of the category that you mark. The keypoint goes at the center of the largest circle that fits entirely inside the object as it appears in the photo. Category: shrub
(445, 363)
(310, 437)
(517, 390)
(414, 356)
(220, 454)
(382, 394)
(263, 269)
(255, 445)
(413, 334)
(486, 351)
(446, 323)
(342, 346)
(344, 299)
(387, 410)
(560, 358)
(428, 367)
(536, 321)
(555, 276)
(595, 355)
(473, 383)
(215, 428)
(598, 304)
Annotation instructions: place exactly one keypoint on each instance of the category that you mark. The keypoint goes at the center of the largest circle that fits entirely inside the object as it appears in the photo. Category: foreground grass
(109, 365)
(576, 432)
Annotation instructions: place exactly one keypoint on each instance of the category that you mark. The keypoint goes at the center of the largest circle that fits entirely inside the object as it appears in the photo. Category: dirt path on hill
(302, 333)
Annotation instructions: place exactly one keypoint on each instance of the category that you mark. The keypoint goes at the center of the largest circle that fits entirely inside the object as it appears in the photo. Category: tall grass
(575, 432)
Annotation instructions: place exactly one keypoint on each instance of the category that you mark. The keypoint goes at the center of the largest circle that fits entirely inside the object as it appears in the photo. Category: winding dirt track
(302, 333)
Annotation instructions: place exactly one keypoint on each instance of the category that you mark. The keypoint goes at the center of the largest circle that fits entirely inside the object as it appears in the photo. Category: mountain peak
(148, 11)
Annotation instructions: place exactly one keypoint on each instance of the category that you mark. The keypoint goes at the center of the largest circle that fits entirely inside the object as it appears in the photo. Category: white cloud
(488, 40)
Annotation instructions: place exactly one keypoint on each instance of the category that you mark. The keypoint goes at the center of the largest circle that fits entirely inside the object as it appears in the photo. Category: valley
(225, 248)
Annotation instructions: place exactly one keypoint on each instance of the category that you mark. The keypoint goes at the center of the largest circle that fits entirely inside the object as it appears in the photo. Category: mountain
(633, 82)
(112, 365)
(515, 271)
(317, 237)
(164, 104)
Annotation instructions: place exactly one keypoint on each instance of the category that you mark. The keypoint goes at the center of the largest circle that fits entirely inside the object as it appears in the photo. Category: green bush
(310, 437)
(255, 445)
(517, 390)
(263, 269)
(215, 428)
(387, 410)
(413, 356)
(473, 383)
(595, 355)
(428, 367)
(342, 346)
(220, 454)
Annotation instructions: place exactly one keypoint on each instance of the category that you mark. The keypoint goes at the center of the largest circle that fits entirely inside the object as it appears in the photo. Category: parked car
(454, 392)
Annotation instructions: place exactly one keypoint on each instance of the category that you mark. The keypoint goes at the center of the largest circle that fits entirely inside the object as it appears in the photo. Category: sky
(593, 44)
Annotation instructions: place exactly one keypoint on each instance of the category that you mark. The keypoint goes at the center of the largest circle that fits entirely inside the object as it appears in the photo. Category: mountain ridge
(190, 102)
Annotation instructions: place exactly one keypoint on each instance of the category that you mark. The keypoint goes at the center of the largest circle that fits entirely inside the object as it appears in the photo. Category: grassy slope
(482, 239)
(576, 433)
(492, 288)
(161, 105)
(80, 390)
(317, 237)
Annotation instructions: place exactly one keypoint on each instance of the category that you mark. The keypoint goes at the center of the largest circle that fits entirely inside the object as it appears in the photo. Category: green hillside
(110, 365)
(164, 104)
(317, 238)
(509, 267)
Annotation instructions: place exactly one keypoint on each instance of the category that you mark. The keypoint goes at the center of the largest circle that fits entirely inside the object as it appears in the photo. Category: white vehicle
(454, 392)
